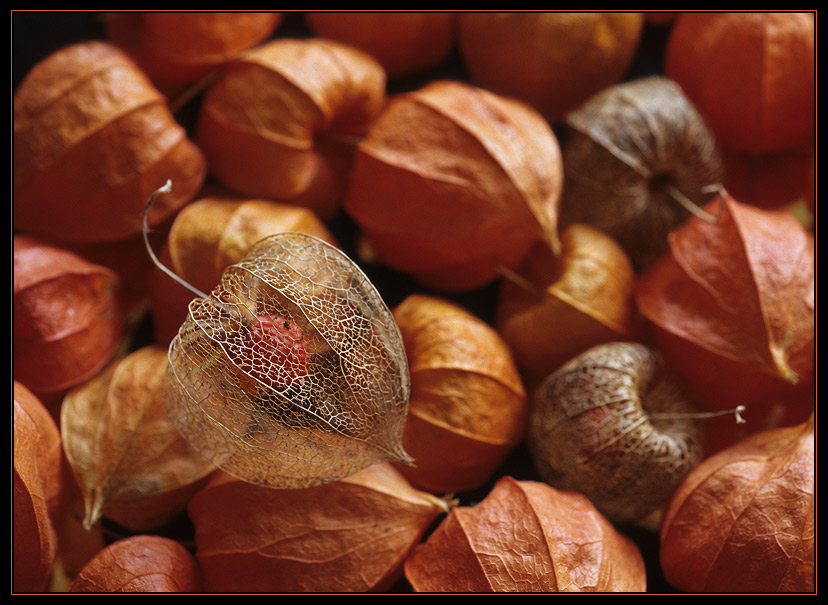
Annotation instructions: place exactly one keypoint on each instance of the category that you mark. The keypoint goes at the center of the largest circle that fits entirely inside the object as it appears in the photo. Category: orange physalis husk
(732, 305)
(526, 536)
(744, 519)
(142, 563)
(282, 120)
(347, 536)
(468, 407)
(37, 492)
(92, 138)
(131, 464)
(453, 181)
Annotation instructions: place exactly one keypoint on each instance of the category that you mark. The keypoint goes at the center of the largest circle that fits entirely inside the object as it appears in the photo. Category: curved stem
(690, 205)
(737, 412)
(166, 188)
(520, 281)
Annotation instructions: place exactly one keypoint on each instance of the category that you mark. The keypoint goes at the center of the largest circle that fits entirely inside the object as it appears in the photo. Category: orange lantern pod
(405, 43)
(67, 321)
(732, 305)
(752, 75)
(453, 181)
(526, 536)
(744, 519)
(281, 121)
(93, 138)
(178, 48)
(348, 536)
(139, 564)
(37, 492)
(552, 60)
(468, 407)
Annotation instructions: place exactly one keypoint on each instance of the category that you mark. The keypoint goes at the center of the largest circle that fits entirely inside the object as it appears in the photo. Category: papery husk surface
(468, 406)
(347, 536)
(744, 519)
(140, 564)
(560, 306)
(733, 305)
(67, 320)
(551, 60)
(128, 459)
(93, 138)
(37, 491)
(595, 429)
(526, 536)
(452, 181)
(281, 121)
(639, 157)
(752, 74)
(266, 425)
(405, 43)
(178, 49)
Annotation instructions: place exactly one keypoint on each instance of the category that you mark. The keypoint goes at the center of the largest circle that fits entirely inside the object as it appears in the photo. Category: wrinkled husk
(37, 492)
(143, 563)
(636, 155)
(744, 519)
(280, 122)
(526, 536)
(453, 181)
(93, 138)
(67, 318)
(732, 305)
(347, 536)
(557, 307)
(468, 406)
(131, 464)
(595, 429)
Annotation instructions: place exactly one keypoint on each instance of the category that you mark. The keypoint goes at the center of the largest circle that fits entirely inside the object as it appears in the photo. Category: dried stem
(737, 412)
(191, 92)
(166, 188)
(691, 206)
(520, 281)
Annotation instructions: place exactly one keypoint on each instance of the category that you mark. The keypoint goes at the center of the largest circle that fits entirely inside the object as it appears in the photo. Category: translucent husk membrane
(323, 398)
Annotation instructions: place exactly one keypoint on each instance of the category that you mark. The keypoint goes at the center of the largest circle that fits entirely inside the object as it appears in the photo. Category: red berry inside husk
(278, 351)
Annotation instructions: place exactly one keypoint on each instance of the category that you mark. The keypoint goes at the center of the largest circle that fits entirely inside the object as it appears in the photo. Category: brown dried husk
(594, 428)
(452, 181)
(281, 121)
(209, 235)
(348, 536)
(468, 407)
(37, 492)
(744, 519)
(67, 321)
(633, 153)
(176, 49)
(93, 138)
(733, 310)
(558, 307)
(526, 536)
(345, 414)
(131, 464)
(143, 563)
